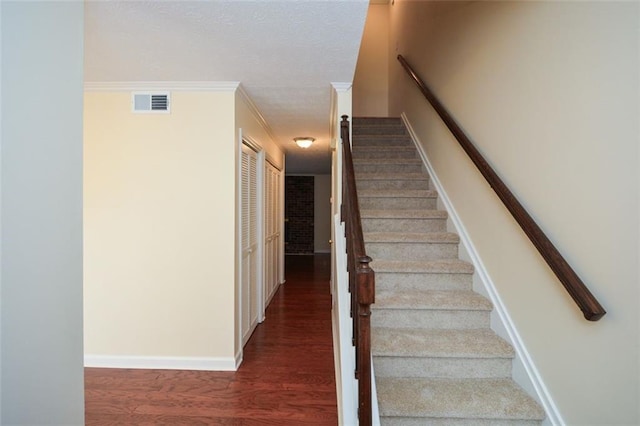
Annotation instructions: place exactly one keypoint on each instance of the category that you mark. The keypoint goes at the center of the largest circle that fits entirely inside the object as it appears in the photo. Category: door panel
(249, 240)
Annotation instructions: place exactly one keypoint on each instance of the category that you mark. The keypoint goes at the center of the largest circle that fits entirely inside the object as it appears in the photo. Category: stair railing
(361, 279)
(587, 303)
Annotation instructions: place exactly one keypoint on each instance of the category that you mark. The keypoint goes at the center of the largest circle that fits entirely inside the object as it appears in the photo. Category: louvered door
(272, 231)
(249, 238)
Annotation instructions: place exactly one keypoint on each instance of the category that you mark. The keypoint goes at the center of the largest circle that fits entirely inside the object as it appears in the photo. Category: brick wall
(299, 214)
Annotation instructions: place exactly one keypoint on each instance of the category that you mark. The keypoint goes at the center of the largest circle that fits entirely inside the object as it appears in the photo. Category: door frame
(255, 146)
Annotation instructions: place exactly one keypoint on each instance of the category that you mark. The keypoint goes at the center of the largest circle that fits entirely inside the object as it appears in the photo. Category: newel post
(366, 296)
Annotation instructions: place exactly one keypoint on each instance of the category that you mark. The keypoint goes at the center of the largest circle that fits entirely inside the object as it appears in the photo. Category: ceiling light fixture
(304, 142)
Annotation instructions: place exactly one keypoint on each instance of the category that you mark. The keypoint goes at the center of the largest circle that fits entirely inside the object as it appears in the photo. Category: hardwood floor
(286, 378)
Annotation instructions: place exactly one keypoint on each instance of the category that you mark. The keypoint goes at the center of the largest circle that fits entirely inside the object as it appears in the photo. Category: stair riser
(453, 368)
(379, 130)
(448, 421)
(404, 225)
(422, 184)
(376, 121)
(414, 318)
(382, 141)
(412, 251)
(387, 168)
(382, 154)
(425, 281)
(380, 203)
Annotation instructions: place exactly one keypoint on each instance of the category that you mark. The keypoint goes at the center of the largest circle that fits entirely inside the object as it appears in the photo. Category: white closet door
(249, 229)
(272, 231)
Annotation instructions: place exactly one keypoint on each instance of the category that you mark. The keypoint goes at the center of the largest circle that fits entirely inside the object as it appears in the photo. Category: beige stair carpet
(436, 359)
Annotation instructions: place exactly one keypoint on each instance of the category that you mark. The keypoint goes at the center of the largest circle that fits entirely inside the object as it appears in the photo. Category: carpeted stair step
(404, 220)
(396, 180)
(411, 246)
(473, 353)
(387, 128)
(433, 309)
(378, 199)
(436, 360)
(387, 140)
(389, 165)
(424, 401)
(450, 274)
(376, 121)
(383, 152)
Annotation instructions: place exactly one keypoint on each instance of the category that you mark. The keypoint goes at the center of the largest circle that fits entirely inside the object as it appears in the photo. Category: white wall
(344, 355)
(41, 214)
(371, 80)
(549, 93)
(159, 230)
(322, 213)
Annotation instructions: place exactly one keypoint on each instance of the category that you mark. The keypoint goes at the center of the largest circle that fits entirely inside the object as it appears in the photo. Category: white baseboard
(164, 363)
(522, 355)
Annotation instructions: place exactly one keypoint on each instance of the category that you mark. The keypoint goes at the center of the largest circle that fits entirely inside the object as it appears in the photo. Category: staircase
(436, 359)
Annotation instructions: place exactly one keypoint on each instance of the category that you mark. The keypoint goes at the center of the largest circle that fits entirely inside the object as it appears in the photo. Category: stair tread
(440, 343)
(411, 237)
(397, 193)
(456, 398)
(402, 214)
(431, 300)
(446, 266)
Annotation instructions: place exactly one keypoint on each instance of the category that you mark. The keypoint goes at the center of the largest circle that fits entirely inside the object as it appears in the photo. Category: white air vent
(145, 102)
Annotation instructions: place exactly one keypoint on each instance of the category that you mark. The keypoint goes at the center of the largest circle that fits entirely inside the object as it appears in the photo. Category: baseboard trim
(522, 354)
(164, 363)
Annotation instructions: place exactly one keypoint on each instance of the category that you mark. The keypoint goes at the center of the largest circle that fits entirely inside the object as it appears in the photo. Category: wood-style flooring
(286, 378)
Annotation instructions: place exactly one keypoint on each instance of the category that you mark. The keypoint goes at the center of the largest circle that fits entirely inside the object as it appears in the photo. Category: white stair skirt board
(344, 353)
(164, 363)
(525, 372)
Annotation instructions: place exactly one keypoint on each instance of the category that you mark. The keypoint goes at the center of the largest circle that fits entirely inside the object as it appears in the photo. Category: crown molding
(257, 114)
(188, 86)
(341, 86)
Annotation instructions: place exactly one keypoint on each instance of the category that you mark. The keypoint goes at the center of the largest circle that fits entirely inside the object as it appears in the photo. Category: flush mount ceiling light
(304, 142)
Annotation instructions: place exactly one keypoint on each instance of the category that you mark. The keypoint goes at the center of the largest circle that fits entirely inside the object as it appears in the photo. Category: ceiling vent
(156, 102)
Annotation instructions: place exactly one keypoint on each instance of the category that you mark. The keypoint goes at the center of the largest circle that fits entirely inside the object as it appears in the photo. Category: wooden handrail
(587, 303)
(361, 278)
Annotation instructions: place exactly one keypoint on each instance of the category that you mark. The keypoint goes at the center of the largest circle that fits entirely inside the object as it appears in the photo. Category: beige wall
(371, 80)
(549, 93)
(159, 268)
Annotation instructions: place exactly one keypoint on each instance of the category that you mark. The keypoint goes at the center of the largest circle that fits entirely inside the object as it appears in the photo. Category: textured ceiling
(285, 53)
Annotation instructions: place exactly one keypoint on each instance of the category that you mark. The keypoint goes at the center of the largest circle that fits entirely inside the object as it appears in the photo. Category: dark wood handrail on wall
(587, 303)
(361, 278)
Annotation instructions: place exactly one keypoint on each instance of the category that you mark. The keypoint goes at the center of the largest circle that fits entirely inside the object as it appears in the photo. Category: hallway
(287, 376)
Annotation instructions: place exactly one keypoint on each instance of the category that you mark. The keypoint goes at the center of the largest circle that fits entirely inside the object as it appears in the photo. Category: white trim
(341, 87)
(162, 362)
(344, 352)
(187, 86)
(522, 355)
(257, 114)
(239, 359)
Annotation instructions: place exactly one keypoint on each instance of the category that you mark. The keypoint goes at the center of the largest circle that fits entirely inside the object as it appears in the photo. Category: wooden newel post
(366, 296)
